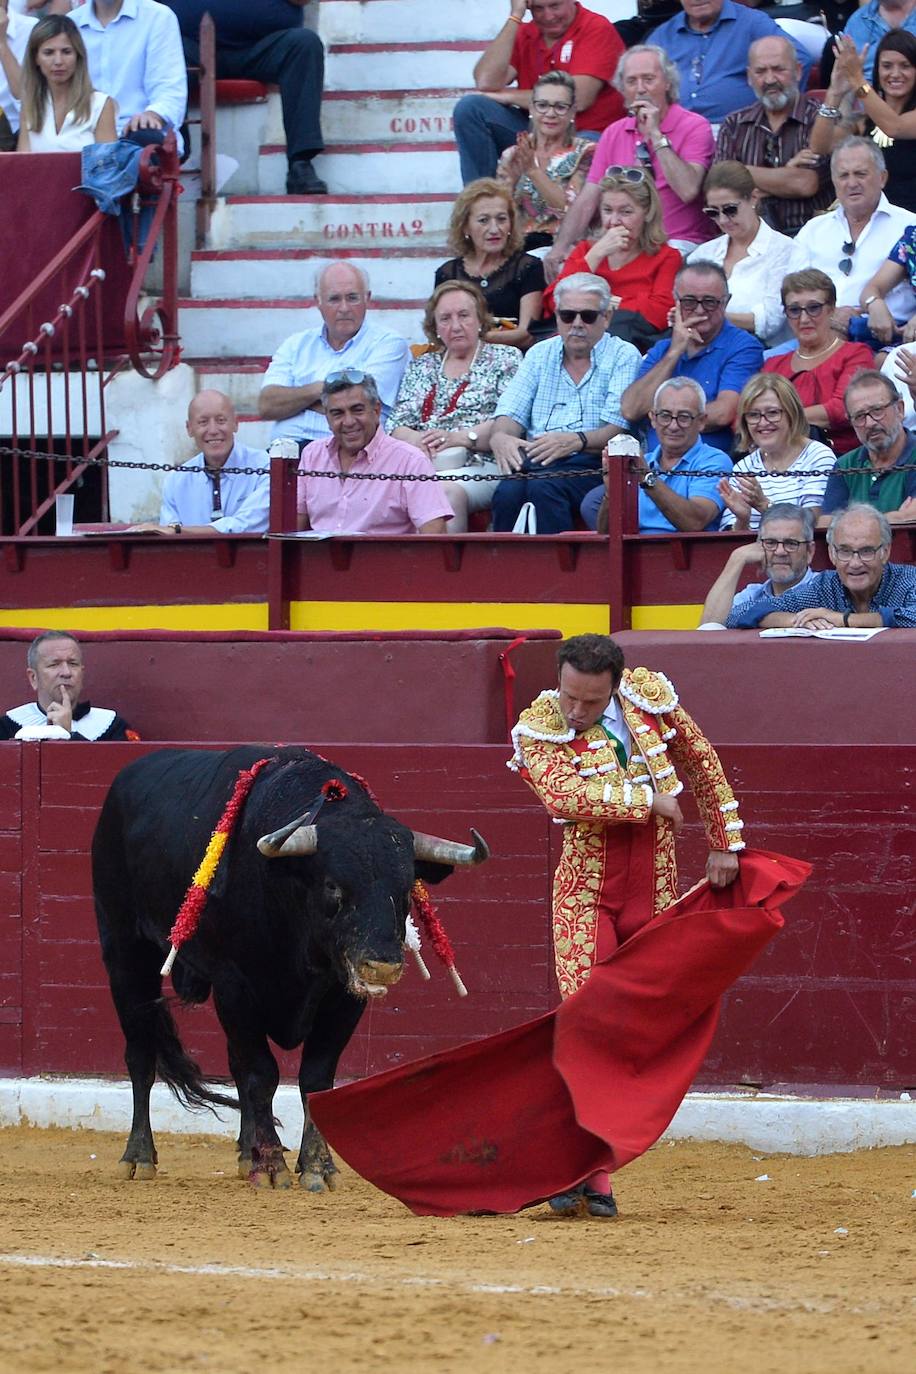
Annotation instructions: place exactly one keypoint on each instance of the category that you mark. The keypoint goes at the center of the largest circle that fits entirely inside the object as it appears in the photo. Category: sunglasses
(586, 316)
(352, 375)
(721, 211)
(845, 264)
(634, 174)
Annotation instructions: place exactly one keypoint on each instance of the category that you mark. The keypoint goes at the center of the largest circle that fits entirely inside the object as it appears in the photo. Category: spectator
(887, 450)
(61, 113)
(562, 36)
(560, 409)
(448, 396)
(783, 464)
(709, 44)
(900, 266)
(784, 549)
(224, 503)
(56, 674)
(674, 146)
(823, 363)
(753, 256)
(264, 40)
(134, 53)
(678, 486)
(632, 255)
(771, 138)
(865, 591)
(14, 37)
(877, 19)
(334, 496)
(546, 168)
(857, 236)
(704, 346)
(488, 244)
(293, 383)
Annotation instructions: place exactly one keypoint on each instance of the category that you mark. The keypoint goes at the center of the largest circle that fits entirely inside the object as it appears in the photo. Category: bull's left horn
(291, 842)
(447, 851)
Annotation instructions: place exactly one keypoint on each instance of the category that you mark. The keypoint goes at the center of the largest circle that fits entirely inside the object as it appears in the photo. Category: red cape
(498, 1124)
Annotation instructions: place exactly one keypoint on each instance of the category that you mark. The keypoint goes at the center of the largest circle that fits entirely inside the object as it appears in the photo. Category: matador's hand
(721, 868)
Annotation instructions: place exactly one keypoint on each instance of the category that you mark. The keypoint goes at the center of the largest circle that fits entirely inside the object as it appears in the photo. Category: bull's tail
(179, 1071)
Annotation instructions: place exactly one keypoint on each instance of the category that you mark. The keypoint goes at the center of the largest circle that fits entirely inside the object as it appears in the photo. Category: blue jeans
(556, 499)
(483, 130)
(589, 507)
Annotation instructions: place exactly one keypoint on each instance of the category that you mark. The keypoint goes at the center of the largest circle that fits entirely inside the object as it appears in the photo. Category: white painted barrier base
(770, 1124)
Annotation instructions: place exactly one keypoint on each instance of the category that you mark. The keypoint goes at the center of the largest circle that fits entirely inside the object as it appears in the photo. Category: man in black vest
(55, 672)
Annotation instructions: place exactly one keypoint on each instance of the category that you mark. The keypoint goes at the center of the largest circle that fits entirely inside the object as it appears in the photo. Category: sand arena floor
(708, 1270)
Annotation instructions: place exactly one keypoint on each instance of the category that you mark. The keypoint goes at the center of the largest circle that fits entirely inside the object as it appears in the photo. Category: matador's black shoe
(600, 1204)
(581, 1202)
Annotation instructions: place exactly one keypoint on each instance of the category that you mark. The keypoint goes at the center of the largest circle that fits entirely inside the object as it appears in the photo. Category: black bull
(305, 919)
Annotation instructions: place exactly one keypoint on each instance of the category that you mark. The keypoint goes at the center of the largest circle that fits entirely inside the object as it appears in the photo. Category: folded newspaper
(838, 632)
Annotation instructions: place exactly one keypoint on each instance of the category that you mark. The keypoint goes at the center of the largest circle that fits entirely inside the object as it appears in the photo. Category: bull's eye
(333, 897)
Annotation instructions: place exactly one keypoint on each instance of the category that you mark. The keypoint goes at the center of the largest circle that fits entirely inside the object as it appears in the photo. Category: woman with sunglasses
(753, 256)
(823, 363)
(485, 237)
(546, 168)
(632, 254)
(772, 431)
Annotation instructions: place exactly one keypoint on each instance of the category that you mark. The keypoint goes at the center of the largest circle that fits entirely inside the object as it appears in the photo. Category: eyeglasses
(586, 316)
(845, 264)
(682, 418)
(871, 413)
(844, 554)
(790, 545)
(770, 417)
(352, 375)
(560, 107)
(812, 309)
(708, 304)
(634, 174)
(717, 211)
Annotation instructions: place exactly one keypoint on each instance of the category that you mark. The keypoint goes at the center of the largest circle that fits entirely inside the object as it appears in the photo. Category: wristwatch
(868, 300)
(663, 142)
(472, 437)
(649, 481)
(864, 90)
(583, 440)
(176, 527)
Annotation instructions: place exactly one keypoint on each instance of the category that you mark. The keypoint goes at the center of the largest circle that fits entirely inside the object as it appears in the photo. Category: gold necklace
(808, 356)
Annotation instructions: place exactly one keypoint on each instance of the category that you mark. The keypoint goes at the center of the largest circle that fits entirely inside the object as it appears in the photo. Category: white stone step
(243, 329)
(391, 66)
(240, 381)
(348, 21)
(371, 168)
(405, 273)
(383, 116)
(254, 431)
(321, 222)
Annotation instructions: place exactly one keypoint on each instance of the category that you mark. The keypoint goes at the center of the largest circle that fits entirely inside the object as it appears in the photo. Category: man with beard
(882, 472)
(863, 591)
(784, 549)
(771, 138)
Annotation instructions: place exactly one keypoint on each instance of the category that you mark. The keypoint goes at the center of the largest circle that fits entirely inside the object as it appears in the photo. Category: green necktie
(619, 748)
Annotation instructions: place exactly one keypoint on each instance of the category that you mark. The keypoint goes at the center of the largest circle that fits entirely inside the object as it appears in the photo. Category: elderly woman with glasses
(632, 254)
(782, 462)
(753, 256)
(823, 363)
(546, 168)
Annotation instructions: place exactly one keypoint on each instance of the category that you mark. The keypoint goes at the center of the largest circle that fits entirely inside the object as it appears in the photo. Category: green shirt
(886, 490)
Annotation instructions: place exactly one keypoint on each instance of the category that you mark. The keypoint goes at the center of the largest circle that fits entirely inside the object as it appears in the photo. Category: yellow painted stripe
(447, 615)
(666, 617)
(228, 616)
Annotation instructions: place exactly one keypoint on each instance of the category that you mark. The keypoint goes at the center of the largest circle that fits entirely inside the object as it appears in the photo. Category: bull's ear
(431, 872)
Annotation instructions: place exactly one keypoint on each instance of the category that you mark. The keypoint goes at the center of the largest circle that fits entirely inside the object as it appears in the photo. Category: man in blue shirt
(784, 549)
(704, 346)
(709, 45)
(864, 592)
(134, 53)
(675, 492)
(560, 409)
(264, 40)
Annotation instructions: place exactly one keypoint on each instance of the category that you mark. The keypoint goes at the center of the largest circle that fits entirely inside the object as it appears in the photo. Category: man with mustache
(887, 454)
(771, 138)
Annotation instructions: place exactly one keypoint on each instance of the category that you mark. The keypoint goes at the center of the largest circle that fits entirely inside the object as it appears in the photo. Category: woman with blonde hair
(782, 464)
(61, 113)
(448, 396)
(488, 244)
(632, 255)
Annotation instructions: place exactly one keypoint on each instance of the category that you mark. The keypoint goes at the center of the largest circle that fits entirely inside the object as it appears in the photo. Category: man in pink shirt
(657, 136)
(346, 502)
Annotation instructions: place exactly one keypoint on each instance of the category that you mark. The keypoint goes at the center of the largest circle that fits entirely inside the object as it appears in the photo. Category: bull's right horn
(293, 841)
(436, 850)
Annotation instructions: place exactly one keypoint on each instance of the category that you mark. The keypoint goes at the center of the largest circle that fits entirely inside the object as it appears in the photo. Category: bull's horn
(292, 841)
(447, 851)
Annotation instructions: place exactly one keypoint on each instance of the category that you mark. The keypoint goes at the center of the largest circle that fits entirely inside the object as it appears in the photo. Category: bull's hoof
(313, 1182)
(142, 1172)
(245, 1166)
(271, 1176)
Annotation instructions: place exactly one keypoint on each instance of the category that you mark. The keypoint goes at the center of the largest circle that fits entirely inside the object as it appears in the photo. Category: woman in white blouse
(753, 256)
(784, 464)
(61, 113)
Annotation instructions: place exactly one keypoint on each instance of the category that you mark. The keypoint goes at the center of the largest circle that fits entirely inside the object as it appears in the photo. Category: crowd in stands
(667, 253)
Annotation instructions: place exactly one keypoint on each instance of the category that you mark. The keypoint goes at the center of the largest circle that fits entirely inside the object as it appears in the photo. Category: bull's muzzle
(372, 978)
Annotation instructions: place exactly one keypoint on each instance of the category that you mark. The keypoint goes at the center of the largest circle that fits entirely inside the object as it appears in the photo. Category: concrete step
(379, 116)
(255, 273)
(371, 168)
(254, 431)
(238, 378)
(348, 21)
(321, 222)
(239, 329)
(390, 66)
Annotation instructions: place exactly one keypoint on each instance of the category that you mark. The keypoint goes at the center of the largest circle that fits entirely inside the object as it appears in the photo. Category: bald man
(201, 497)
